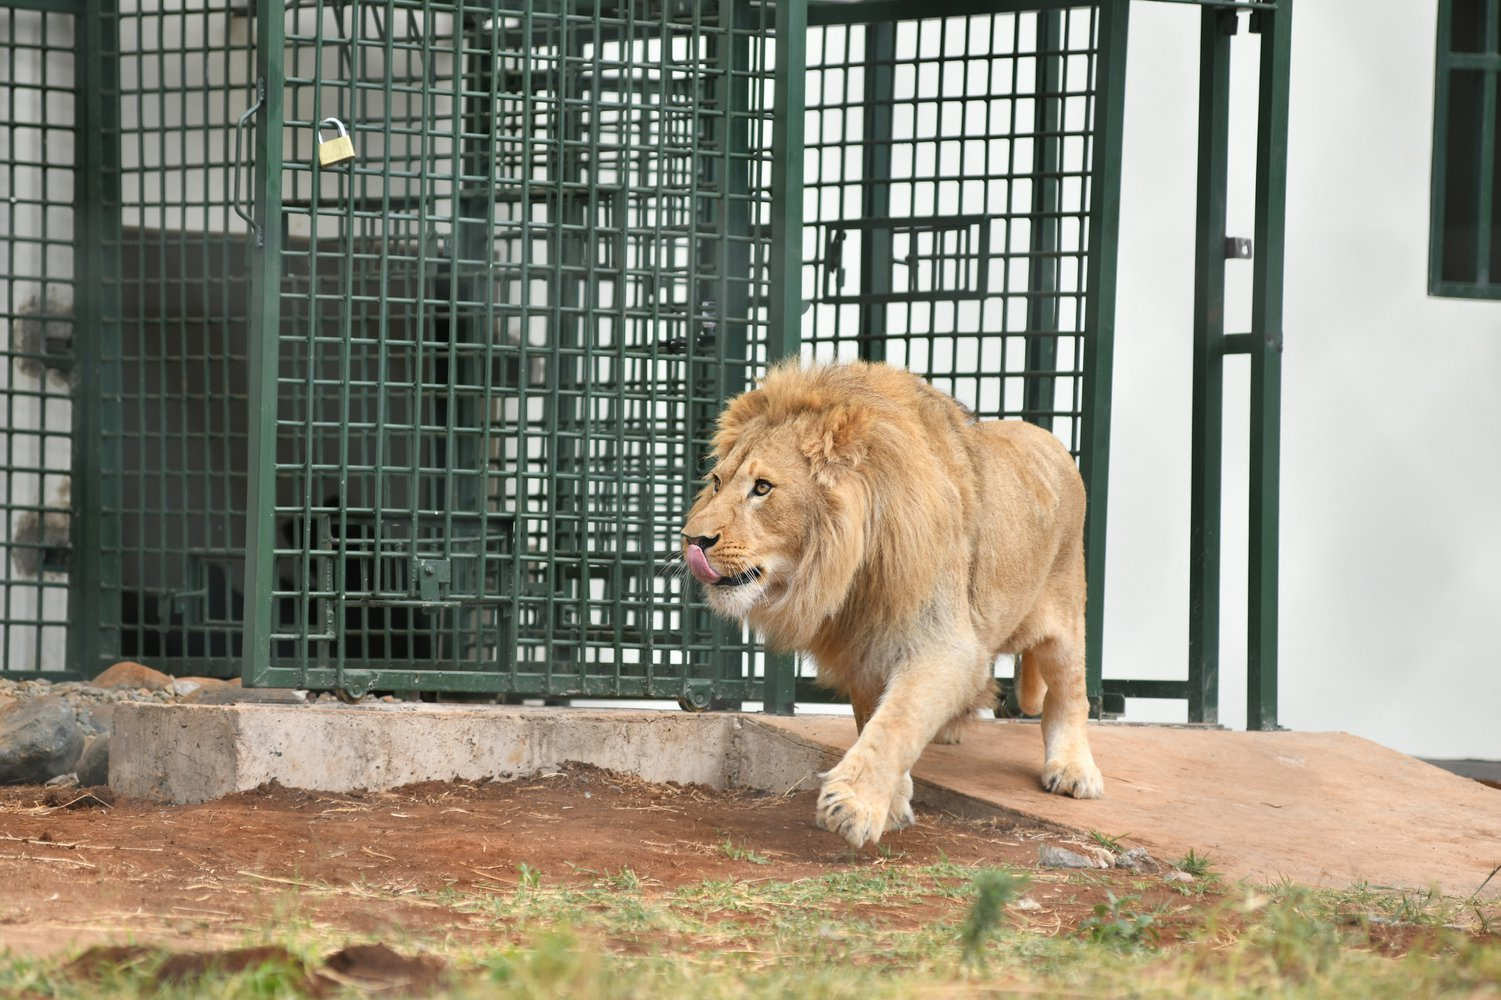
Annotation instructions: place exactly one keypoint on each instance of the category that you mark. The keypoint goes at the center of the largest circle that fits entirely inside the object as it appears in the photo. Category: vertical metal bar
(1099, 313)
(1216, 28)
(1486, 159)
(786, 258)
(875, 180)
(94, 569)
(1437, 230)
(1039, 401)
(1266, 366)
(262, 355)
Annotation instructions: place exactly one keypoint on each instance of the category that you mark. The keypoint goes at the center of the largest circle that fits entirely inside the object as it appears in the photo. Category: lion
(857, 514)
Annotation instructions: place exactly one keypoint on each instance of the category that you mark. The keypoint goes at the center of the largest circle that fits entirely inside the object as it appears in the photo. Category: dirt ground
(80, 867)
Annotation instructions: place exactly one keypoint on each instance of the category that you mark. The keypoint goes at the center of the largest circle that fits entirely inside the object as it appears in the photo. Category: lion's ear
(740, 411)
(838, 441)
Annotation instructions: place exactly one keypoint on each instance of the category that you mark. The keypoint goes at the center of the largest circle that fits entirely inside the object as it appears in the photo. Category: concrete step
(1325, 809)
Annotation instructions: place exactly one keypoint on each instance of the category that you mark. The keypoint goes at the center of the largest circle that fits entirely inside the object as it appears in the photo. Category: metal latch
(433, 577)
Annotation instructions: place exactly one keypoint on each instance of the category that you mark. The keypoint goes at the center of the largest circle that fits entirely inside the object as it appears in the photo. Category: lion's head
(787, 517)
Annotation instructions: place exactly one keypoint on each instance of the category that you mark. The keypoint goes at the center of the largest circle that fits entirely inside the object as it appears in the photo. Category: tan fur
(903, 545)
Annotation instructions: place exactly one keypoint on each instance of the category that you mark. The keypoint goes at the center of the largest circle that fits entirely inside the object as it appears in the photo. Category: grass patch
(1110, 843)
(737, 852)
(1197, 865)
(872, 931)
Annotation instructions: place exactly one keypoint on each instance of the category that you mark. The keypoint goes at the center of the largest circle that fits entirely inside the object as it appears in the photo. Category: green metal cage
(426, 419)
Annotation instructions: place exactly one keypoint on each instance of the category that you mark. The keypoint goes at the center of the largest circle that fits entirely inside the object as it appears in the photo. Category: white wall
(1391, 476)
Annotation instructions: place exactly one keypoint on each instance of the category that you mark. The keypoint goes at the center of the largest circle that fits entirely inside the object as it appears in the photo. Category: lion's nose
(704, 542)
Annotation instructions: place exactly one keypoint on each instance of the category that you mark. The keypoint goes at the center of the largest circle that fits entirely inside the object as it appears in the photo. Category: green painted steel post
(262, 354)
(94, 565)
(786, 252)
(876, 262)
(1217, 28)
(1099, 319)
(1266, 365)
(1040, 400)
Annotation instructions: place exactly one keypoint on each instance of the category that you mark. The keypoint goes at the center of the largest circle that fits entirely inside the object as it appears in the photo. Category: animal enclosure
(427, 419)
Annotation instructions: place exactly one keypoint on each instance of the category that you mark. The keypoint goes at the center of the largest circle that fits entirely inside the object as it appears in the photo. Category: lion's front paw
(847, 810)
(899, 814)
(1079, 778)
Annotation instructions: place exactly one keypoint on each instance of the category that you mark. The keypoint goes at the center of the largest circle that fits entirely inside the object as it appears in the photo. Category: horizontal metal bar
(1235, 4)
(528, 680)
(871, 11)
(1247, 343)
(1176, 690)
(1452, 289)
(1484, 61)
(48, 6)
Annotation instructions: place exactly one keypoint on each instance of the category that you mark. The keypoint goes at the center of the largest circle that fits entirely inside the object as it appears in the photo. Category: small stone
(39, 740)
(1050, 856)
(1026, 904)
(1138, 860)
(129, 674)
(69, 780)
(1177, 876)
(93, 763)
(187, 687)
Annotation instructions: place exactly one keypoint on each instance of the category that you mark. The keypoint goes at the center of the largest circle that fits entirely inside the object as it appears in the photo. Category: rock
(186, 687)
(69, 780)
(93, 763)
(1138, 860)
(233, 695)
(39, 740)
(1177, 876)
(1051, 856)
(129, 674)
(96, 717)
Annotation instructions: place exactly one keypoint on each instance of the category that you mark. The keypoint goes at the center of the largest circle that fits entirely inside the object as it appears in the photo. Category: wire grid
(37, 140)
(506, 330)
(174, 486)
(946, 206)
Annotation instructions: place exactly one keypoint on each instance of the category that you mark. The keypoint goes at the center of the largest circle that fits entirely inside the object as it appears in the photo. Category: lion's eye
(714, 482)
(761, 488)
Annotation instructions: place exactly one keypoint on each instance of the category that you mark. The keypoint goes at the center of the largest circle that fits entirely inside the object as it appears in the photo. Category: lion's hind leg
(1068, 765)
(1030, 687)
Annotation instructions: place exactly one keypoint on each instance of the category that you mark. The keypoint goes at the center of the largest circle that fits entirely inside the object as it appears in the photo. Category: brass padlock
(336, 151)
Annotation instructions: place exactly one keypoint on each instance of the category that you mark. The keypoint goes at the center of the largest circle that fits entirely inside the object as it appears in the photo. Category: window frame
(1482, 151)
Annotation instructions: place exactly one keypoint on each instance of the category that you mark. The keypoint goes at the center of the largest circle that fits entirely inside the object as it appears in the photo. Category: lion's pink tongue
(699, 566)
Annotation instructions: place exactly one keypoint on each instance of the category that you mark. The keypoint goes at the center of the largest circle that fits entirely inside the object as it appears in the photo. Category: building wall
(1391, 599)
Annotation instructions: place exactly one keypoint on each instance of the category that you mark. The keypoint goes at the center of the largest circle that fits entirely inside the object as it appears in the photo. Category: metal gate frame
(720, 672)
(95, 547)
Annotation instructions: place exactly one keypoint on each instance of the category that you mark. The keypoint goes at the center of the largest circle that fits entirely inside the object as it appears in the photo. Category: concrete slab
(1324, 809)
(192, 753)
(1321, 808)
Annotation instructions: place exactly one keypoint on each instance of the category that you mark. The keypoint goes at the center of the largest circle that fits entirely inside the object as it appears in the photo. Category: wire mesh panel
(173, 486)
(947, 206)
(502, 335)
(39, 120)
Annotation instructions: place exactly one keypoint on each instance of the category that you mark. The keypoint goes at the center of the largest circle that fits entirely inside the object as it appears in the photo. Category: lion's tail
(1030, 687)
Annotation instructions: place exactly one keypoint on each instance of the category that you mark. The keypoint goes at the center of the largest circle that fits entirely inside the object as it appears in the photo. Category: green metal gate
(428, 420)
(491, 348)
(962, 182)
